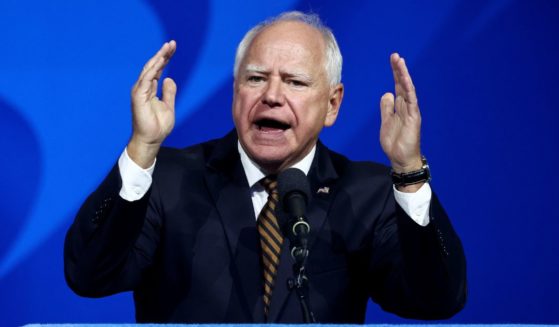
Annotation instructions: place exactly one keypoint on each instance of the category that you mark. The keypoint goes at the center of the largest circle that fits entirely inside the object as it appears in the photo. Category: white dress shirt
(136, 182)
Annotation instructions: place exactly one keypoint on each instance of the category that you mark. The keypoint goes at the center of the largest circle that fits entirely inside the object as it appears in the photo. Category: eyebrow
(255, 69)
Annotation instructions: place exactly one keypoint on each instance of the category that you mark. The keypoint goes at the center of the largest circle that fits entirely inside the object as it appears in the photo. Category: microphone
(294, 192)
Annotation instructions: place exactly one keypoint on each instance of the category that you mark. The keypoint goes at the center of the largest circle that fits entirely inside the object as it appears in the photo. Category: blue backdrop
(487, 79)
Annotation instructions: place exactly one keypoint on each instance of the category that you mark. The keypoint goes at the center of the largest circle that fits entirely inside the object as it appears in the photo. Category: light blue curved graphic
(80, 61)
(69, 70)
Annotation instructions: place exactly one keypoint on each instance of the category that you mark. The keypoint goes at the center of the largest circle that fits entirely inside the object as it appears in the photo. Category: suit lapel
(228, 186)
(321, 177)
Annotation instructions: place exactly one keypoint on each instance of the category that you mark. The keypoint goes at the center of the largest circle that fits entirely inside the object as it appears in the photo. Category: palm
(153, 119)
(401, 121)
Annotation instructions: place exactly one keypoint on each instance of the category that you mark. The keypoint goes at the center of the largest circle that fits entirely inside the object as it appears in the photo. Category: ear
(334, 103)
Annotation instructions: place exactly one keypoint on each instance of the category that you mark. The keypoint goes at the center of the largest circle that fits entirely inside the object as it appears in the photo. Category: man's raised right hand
(152, 118)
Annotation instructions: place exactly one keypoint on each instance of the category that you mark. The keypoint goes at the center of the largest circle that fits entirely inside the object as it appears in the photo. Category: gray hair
(333, 56)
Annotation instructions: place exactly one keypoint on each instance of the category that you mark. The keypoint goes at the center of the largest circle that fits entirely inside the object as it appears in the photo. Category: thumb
(386, 106)
(169, 91)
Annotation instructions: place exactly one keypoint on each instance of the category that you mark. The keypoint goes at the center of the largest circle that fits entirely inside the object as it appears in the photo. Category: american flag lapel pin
(325, 190)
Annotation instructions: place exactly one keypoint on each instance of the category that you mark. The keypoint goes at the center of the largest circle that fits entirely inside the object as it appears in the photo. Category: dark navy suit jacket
(190, 251)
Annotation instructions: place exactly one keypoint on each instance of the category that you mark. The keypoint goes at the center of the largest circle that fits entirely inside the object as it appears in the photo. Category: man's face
(282, 97)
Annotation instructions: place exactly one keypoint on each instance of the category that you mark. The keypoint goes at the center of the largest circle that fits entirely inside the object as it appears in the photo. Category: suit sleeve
(111, 241)
(417, 272)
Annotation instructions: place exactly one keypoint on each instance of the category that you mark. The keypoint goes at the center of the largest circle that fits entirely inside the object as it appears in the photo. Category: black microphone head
(294, 191)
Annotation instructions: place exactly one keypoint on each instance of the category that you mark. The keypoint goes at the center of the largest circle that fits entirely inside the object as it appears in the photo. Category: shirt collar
(254, 173)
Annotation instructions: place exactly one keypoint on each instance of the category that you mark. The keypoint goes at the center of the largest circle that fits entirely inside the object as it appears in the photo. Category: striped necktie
(270, 239)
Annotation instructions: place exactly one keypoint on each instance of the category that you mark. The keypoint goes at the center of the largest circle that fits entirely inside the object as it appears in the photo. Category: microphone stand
(300, 281)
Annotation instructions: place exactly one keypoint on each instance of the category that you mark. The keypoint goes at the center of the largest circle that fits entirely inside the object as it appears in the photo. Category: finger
(153, 59)
(154, 73)
(410, 107)
(169, 50)
(140, 83)
(402, 78)
(401, 107)
(169, 92)
(166, 51)
(153, 89)
(147, 84)
(386, 106)
(161, 67)
(172, 48)
(404, 84)
(156, 70)
(394, 59)
(406, 81)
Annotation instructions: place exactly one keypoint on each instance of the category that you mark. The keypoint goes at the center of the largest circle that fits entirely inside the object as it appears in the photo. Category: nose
(273, 95)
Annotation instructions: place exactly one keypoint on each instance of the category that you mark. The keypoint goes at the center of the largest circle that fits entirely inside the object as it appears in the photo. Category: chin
(268, 157)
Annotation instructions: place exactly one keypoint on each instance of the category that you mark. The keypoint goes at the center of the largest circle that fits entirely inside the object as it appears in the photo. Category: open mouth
(267, 124)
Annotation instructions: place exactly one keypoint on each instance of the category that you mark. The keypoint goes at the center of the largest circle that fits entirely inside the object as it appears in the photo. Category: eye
(297, 83)
(255, 79)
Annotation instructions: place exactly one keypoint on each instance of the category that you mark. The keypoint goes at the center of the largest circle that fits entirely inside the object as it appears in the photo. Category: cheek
(243, 101)
(241, 108)
(311, 116)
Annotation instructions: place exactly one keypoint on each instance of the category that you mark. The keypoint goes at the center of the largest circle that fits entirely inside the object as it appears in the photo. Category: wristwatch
(413, 177)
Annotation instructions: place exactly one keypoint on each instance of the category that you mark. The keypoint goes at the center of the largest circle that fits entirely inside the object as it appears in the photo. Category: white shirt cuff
(416, 205)
(135, 180)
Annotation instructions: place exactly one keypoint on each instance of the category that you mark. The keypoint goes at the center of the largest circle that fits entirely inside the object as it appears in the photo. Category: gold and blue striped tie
(271, 239)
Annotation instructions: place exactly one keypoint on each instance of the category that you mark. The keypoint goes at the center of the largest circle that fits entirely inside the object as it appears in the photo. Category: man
(189, 242)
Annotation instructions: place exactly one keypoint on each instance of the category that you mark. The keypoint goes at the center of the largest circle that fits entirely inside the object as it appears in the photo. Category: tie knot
(270, 183)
